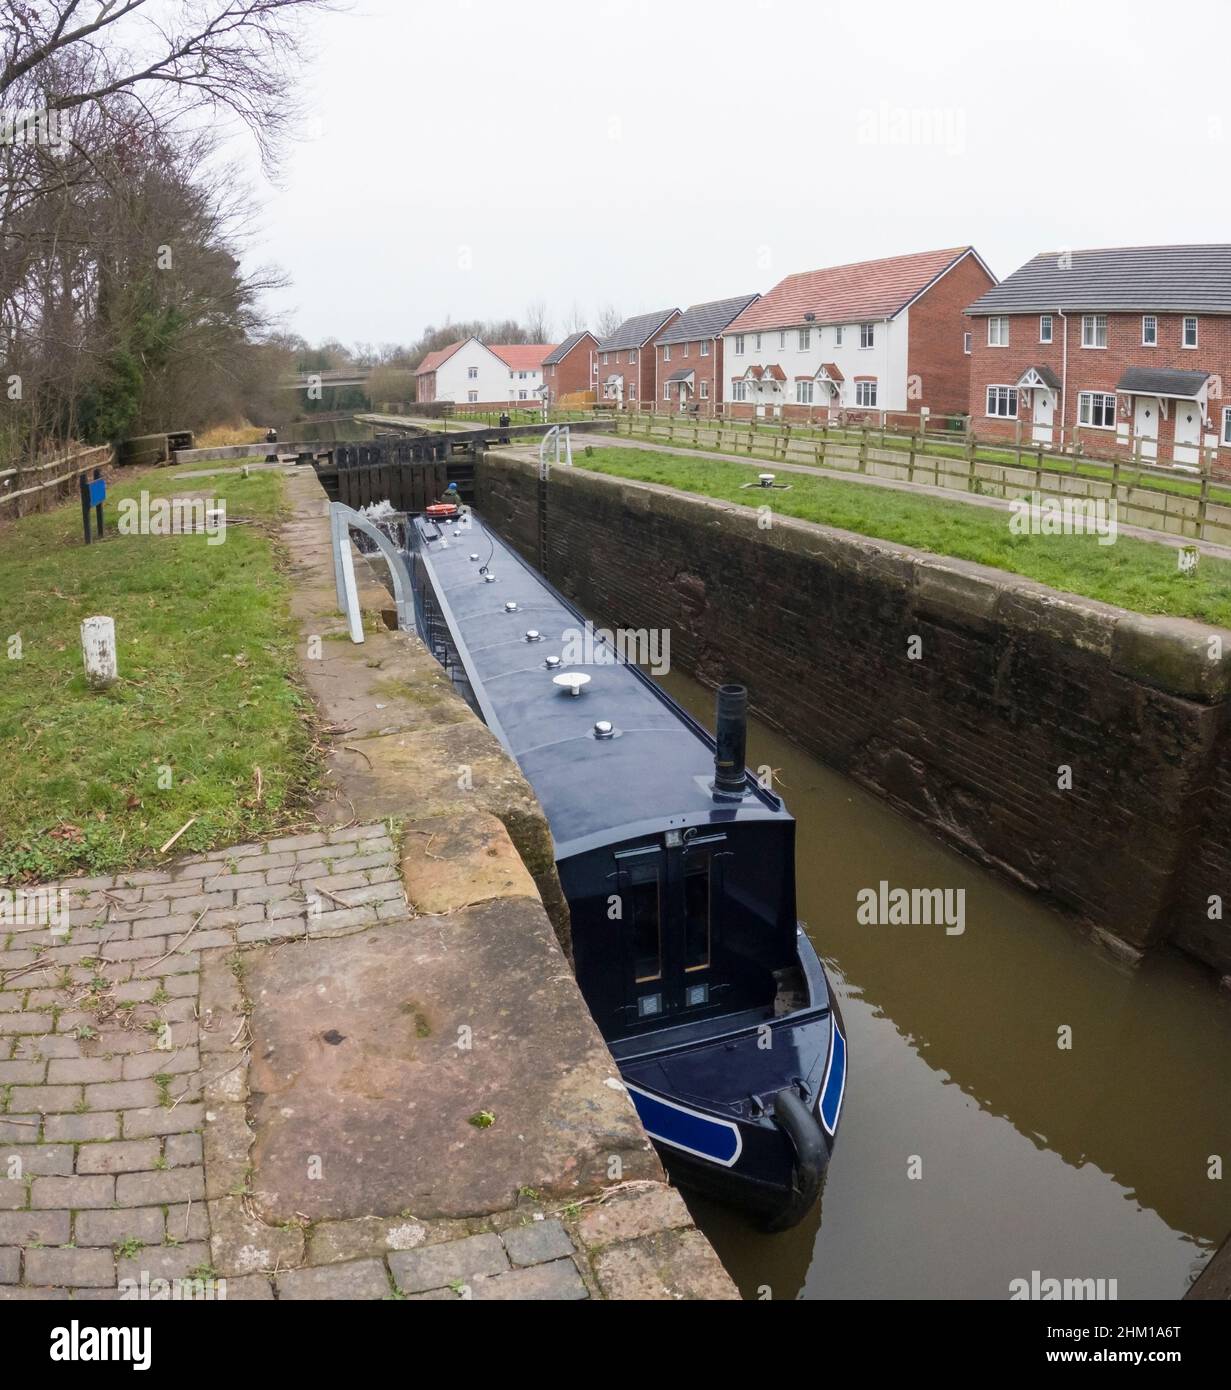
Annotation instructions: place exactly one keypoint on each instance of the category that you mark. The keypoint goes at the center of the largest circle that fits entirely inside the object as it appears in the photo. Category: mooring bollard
(98, 651)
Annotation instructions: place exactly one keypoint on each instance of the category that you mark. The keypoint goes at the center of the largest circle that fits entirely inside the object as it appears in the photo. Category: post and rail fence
(1177, 500)
(34, 487)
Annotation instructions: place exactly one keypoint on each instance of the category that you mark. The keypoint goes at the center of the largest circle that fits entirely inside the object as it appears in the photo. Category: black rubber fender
(811, 1155)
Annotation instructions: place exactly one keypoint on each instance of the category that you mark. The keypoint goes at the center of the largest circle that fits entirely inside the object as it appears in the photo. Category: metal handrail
(341, 520)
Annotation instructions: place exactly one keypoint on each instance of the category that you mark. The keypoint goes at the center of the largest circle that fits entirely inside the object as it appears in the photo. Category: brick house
(866, 339)
(626, 362)
(689, 355)
(570, 367)
(479, 376)
(1122, 350)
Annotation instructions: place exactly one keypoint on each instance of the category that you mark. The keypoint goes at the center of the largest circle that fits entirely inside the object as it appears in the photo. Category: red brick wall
(1095, 369)
(573, 372)
(706, 368)
(643, 372)
(935, 354)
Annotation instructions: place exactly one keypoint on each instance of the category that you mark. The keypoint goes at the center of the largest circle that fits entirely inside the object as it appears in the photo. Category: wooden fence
(1192, 505)
(38, 486)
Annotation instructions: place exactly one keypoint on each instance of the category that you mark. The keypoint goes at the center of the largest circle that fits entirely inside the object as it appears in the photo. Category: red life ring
(440, 511)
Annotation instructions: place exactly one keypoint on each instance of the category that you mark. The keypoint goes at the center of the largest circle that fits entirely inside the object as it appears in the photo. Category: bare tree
(607, 320)
(537, 323)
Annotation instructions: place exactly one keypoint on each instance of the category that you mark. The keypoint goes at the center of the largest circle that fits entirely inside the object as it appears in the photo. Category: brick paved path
(125, 1136)
(105, 1051)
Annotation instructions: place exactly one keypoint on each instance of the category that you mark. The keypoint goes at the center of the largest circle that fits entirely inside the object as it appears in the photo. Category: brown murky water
(1091, 1162)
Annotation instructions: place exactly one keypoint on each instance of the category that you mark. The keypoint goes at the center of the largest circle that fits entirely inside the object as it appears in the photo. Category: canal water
(974, 1149)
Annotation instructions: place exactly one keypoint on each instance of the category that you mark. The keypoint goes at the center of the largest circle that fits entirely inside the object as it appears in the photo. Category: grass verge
(1140, 575)
(207, 721)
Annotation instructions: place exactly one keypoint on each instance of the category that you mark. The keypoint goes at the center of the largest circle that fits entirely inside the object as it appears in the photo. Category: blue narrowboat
(678, 869)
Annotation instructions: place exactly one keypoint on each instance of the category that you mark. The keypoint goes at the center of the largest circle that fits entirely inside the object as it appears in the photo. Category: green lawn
(208, 687)
(1066, 465)
(1140, 575)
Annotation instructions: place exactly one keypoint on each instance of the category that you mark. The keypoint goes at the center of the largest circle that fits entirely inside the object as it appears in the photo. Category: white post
(98, 650)
(1190, 556)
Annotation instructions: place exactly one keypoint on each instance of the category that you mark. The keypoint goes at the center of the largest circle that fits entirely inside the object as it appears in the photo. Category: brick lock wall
(969, 739)
(1096, 369)
(935, 352)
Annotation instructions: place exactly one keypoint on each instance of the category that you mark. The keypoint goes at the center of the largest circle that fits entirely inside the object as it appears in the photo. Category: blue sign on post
(93, 495)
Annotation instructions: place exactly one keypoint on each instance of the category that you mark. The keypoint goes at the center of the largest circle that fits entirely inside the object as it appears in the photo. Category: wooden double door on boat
(666, 899)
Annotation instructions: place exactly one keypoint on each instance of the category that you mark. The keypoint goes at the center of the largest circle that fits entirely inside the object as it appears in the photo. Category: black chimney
(730, 737)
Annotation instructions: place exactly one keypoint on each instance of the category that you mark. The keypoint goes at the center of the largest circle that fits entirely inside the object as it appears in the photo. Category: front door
(1187, 432)
(1145, 426)
(1044, 411)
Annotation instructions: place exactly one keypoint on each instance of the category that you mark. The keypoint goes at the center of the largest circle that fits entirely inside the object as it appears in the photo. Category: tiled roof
(701, 321)
(560, 353)
(848, 293)
(1168, 279)
(434, 359)
(683, 374)
(522, 357)
(832, 371)
(632, 333)
(1162, 381)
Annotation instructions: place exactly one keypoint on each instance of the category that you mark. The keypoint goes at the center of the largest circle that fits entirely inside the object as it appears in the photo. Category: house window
(705, 347)
(1094, 330)
(523, 395)
(1190, 332)
(1149, 330)
(705, 390)
(473, 373)
(837, 336)
(782, 341)
(805, 339)
(510, 376)
(1097, 409)
(865, 394)
(632, 357)
(685, 349)
(739, 390)
(472, 395)
(606, 356)
(867, 335)
(632, 391)
(803, 392)
(756, 342)
(666, 391)
(1226, 424)
(967, 343)
(1002, 402)
(739, 345)
(1045, 328)
(666, 352)
(521, 376)
(998, 332)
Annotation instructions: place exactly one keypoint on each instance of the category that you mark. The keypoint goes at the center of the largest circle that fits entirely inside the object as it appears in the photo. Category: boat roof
(657, 771)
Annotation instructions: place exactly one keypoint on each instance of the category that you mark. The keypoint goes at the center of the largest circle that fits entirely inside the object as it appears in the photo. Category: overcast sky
(464, 158)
